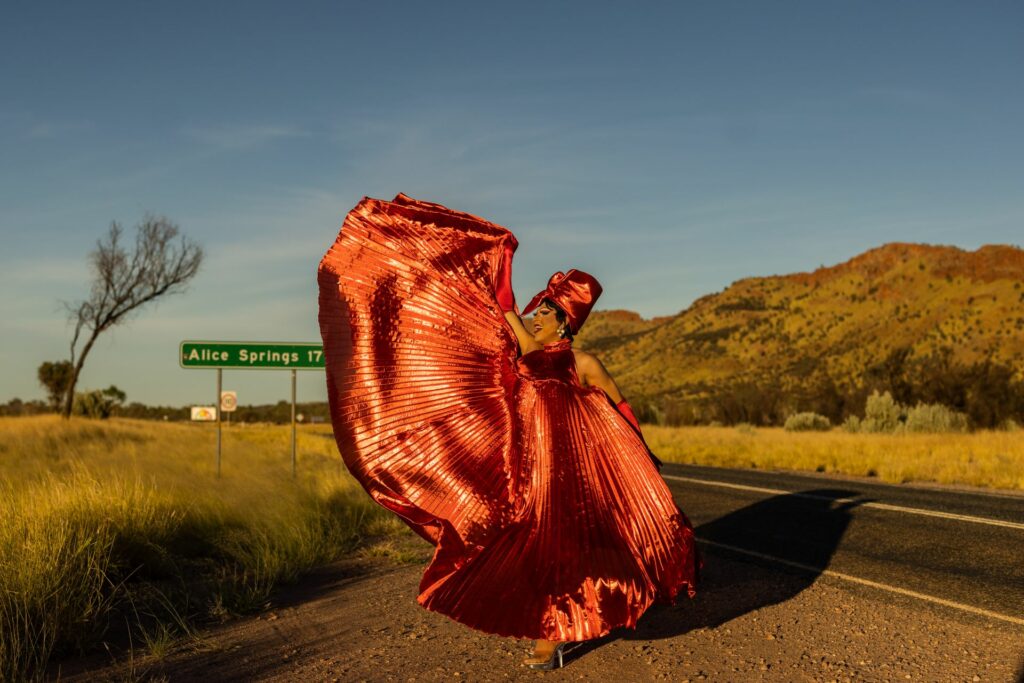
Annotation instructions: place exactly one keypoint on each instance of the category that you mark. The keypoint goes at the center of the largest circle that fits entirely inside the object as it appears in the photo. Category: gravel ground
(359, 621)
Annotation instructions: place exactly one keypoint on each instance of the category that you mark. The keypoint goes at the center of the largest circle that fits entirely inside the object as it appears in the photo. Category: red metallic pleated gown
(548, 517)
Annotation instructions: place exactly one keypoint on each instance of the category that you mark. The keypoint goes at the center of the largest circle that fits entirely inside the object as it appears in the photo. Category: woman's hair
(560, 316)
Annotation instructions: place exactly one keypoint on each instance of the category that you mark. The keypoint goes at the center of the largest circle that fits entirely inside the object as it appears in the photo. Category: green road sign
(251, 355)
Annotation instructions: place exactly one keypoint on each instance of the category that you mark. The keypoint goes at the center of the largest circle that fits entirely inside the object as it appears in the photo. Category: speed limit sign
(228, 401)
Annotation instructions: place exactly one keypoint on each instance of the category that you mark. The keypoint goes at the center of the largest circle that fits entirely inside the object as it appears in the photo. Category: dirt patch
(359, 621)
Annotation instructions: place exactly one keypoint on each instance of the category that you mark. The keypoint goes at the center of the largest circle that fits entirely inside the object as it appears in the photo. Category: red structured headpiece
(574, 292)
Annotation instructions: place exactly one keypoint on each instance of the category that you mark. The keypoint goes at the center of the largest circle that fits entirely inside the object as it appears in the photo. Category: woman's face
(545, 324)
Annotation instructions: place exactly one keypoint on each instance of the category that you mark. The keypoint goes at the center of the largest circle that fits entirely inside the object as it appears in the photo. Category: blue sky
(668, 148)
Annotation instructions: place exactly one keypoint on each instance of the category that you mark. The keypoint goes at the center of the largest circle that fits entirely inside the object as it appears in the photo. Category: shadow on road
(796, 528)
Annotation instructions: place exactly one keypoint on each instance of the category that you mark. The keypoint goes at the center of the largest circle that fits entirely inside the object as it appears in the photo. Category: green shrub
(935, 417)
(882, 414)
(807, 422)
(98, 404)
(852, 424)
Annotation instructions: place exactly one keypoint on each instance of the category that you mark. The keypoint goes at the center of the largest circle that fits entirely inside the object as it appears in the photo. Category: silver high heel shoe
(557, 659)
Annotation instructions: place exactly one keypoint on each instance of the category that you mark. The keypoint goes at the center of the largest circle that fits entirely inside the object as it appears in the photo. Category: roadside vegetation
(120, 529)
(992, 459)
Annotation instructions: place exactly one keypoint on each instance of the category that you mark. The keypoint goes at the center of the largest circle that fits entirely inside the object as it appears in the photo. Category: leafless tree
(124, 281)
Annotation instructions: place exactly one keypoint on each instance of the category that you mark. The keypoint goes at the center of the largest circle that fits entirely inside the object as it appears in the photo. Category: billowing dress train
(548, 517)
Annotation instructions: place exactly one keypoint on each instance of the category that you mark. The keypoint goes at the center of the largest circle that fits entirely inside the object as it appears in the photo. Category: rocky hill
(821, 340)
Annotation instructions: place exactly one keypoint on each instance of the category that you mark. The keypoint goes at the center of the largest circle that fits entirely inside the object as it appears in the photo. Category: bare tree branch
(162, 262)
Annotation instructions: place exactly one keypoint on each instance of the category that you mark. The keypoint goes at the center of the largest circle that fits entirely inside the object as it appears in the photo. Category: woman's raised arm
(507, 300)
(526, 341)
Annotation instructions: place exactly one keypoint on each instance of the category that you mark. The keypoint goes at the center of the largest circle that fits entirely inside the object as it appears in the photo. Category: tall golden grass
(989, 459)
(125, 520)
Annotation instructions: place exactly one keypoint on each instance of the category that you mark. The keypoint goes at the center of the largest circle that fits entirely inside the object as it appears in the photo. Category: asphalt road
(961, 547)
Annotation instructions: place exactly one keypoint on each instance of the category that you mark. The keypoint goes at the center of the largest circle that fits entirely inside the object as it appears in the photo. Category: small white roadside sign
(228, 401)
(204, 413)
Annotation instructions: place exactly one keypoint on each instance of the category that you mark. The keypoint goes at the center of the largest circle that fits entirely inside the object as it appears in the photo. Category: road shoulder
(750, 622)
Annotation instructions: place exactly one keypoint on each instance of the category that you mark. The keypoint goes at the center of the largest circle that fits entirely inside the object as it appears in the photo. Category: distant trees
(281, 412)
(986, 391)
(55, 378)
(932, 392)
(754, 401)
(18, 408)
(110, 402)
(100, 403)
(141, 411)
(891, 373)
(124, 280)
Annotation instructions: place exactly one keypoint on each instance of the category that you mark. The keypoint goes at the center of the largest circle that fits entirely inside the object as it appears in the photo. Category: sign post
(293, 424)
(220, 376)
(250, 356)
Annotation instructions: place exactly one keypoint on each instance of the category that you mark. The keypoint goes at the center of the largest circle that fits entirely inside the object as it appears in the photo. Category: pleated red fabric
(548, 517)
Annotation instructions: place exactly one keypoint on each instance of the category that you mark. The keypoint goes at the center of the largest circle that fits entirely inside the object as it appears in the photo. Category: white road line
(878, 506)
(872, 584)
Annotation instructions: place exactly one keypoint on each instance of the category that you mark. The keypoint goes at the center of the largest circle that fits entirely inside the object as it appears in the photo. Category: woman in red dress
(512, 453)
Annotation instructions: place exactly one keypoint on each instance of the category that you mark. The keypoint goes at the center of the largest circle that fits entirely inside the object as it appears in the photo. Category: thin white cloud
(239, 137)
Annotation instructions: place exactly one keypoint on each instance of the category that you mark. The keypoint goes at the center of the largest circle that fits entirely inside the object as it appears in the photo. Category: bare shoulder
(592, 372)
(587, 361)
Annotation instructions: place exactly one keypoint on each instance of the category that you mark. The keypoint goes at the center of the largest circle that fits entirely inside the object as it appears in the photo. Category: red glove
(627, 413)
(503, 280)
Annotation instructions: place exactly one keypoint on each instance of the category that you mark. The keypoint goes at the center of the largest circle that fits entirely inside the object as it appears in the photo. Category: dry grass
(126, 520)
(989, 459)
